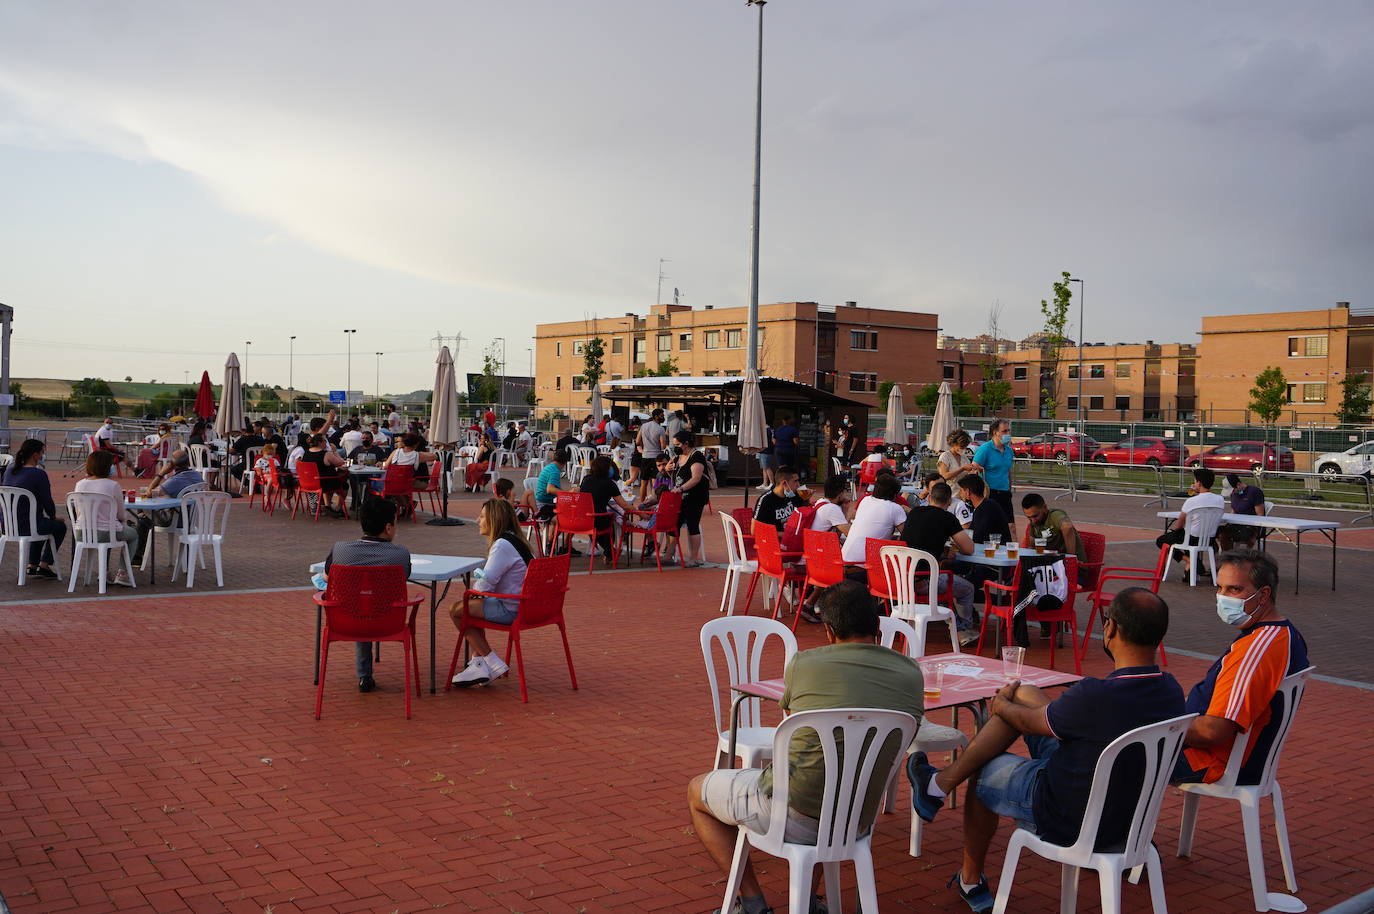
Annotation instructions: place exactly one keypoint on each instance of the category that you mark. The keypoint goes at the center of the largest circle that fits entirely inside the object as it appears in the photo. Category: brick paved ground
(159, 754)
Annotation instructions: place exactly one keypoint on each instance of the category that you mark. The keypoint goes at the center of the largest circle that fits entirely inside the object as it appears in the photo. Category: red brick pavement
(159, 754)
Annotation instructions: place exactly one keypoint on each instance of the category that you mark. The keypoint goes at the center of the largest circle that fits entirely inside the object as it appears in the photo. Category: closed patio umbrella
(753, 435)
(598, 409)
(443, 427)
(229, 418)
(895, 432)
(942, 423)
(205, 397)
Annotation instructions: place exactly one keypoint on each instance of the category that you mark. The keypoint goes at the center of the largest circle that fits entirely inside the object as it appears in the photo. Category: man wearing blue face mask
(994, 460)
(1237, 693)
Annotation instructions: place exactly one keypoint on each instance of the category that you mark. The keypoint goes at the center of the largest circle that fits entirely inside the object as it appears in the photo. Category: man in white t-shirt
(614, 431)
(1203, 497)
(352, 438)
(878, 516)
(653, 440)
(830, 514)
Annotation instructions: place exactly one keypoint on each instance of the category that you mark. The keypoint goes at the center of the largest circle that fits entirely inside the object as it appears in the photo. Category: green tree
(995, 393)
(91, 387)
(17, 390)
(1056, 318)
(1269, 395)
(928, 396)
(1355, 399)
(593, 361)
(884, 389)
(666, 368)
(489, 385)
(530, 398)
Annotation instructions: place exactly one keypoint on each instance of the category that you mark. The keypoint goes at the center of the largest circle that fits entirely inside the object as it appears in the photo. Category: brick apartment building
(1149, 381)
(846, 349)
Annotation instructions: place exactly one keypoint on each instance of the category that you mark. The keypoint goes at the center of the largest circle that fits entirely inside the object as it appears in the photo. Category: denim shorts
(1006, 785)
(765, 460)
(502, 612)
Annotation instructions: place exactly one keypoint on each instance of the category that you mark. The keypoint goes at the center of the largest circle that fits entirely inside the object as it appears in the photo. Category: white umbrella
(753, 433)
(942, 423)
(443, 412)
(229, 416)
(895, 433)
(598, 410)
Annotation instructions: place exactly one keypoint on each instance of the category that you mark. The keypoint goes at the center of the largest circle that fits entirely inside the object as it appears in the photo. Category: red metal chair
(541, 603)
(575, 514)
(368, 603)
(399, 484)
(1064, 614)
(665, 517)
(776, 564)
(868, 471)
(308, 482)
(1100, 600)
(745, 518)
(431, 488)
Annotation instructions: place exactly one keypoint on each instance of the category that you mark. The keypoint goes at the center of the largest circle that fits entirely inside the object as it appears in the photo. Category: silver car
(1358, 461)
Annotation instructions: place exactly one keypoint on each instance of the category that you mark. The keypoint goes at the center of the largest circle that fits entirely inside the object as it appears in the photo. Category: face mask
(1006, 439)
(790, 493)
(1231, 610)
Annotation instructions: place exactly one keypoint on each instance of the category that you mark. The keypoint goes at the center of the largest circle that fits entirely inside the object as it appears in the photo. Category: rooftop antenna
(658, 296)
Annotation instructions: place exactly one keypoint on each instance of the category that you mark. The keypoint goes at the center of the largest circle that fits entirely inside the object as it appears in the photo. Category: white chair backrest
(851, 740)
(1290, 694)
(533, 468)
(889, 627)
(734, 540)
(1160, 744)
(205, 513)
(6, 460)
(194, 487)
(251, 456)
(837, 467)
(91, 514)
(585, 455)
(12, 508)
(742, 640)
(1269, 507)
(901, 564)
(89, 441)
(1202, 525)
(200, 457)
(603, 449)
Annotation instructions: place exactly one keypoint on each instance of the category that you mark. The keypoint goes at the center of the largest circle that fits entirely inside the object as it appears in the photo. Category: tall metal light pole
(246, 386)
(377, 406)
(348, 378)
(1081, 411)
(6, 319)
(291, 375)
(752, 363)
(501, 395)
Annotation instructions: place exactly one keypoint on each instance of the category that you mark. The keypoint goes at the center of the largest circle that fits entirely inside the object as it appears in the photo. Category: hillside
(129, 391)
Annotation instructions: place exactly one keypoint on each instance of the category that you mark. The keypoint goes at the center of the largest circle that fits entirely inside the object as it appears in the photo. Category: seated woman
(606, 499)
(113, 522)
(476, 471)
(157, 447)
(411, 453)
(333, 478)
(508, 557)
(25, 473)
(200, 434)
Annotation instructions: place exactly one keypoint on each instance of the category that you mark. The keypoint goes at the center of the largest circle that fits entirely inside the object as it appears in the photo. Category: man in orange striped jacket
(1237, 694)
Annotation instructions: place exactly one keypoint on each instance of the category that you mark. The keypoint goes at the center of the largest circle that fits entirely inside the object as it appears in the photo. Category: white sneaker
(496, 667)
(763, 488)
(476, 673)
(967, 637)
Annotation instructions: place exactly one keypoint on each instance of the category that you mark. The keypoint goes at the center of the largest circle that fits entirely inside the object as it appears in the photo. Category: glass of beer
(990, 549)
(934, 679)
(1012, 548)
(1040, 545)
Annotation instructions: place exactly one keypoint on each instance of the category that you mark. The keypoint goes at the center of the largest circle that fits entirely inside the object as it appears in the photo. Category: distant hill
(132, 391)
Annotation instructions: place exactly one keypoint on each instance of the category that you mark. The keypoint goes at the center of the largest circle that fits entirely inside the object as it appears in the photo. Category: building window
(1123, 403)
(948, 372)
(732, 373)
(665, 344)
(641, 350)
(1097, 371)
(1073, 372)
(579, 382)
(1123, 369)
(616, 377)
(1071, 402)
(558, 350)
(863, 339)
(577, 346)
(1094, 403)
(558, 382)
(1306, 347)
(863, 382)
(684, 342)
(712, 374)
(1018, 403)
(1018, 373)
(734, 339)
(1306, 393)
(712, 339)
(617, 345)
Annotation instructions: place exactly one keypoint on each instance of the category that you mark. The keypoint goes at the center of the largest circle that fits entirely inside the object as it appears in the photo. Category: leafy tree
(530, 398)
(928, 396)
(884, 389)
(91, 387)
(178, 402)
(1355, 399)
(1269, 395)
(1056, 318)
(996, 392)
(128, 379)
(17, 390)
(593, 361)
(489, 385)
(666, 368)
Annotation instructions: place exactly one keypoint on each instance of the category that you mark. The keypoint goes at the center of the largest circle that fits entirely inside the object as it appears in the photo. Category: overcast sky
(177, 178)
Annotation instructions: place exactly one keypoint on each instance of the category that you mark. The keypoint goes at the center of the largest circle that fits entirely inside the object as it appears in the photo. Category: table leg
(1297, 560)
(433, 612)
(734, 728)
(152, 556)
(1333, 559)
(319, 613)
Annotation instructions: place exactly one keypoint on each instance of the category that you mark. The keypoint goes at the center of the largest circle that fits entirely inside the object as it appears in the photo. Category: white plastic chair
(1161, 744)
(89, 512)
(901, 565)
(743, 640)
(248, 482)
(172, 532)
(200, 461)
(14, 504)
(204, 523)
(1199, 527)
(1249, 797)
(533, 468)
(842, 834)
(736, 564)
(930, 737)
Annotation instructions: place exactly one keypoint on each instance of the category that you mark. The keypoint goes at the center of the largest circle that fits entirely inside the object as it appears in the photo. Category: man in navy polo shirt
(1048, 792)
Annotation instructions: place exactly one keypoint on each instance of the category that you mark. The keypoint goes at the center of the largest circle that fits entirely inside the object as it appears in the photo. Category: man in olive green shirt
(1053, 524)
(853, 672)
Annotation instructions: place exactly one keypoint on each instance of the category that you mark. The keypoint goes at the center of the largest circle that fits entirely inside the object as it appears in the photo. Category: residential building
(982, 343)
(1314, 349)
(846, 349)
(1150, 381)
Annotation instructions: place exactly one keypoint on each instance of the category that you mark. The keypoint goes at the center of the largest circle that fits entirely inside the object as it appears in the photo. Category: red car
(1245, 455)
(1062, 446)
(915, 442)
(1137, 451)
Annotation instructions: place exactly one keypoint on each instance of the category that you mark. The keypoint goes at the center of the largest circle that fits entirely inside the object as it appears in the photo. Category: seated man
(776, 506)
(1237, 694)
(1053, 524)
(378, 518)
(174, 477)
(853, 672)
(929, 527)
(988, 517)
(368, 447)
(105, 441)
(1048, 792)
(830, 512)
(1202, 497)
(1248, 499)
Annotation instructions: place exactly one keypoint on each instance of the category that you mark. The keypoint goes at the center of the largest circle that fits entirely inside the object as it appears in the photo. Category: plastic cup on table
(934, 680)
(989, 549)
(1013, 659)
(1040, 545)
(1012, 549)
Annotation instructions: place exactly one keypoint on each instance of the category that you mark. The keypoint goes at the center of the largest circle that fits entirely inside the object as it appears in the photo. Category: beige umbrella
(942, 423)
(753, 433)
(598, 410)
(443, 412)
(895, 433)
(229, 416)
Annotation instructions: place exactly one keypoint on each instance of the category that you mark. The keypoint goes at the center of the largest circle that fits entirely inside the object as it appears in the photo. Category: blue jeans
(362, 660)
(1006, 785)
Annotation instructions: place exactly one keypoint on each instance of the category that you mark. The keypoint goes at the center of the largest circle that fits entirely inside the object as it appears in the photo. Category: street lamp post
(348, 377)
(246, 387)
(1081, 412)
(377, 406)
(501, 391)
(752, 361)
(291, 375)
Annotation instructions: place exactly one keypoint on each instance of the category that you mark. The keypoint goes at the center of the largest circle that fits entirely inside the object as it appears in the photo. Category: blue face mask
(1006, 439)
(1231, 610)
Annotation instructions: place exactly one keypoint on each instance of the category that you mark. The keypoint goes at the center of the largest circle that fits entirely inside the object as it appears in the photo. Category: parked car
(1154, 452)
(1358, 461)
(1245, 455)
(1062, 446)
(917, 443)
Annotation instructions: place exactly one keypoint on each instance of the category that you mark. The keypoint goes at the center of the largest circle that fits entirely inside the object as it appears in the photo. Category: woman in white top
(957, 462)
(410, 455)
(508, 558)
(112, 519)
(878, 516)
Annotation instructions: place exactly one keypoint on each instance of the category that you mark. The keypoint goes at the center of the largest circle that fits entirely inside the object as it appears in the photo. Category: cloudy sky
(178, 178)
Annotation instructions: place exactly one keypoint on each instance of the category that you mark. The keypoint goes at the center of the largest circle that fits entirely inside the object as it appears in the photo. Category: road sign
(338, 396)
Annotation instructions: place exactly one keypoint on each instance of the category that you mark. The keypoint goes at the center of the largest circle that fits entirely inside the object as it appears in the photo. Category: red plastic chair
(368, 603)
(745, 518)
(868, 471)
(308, 481)
(575, 514)
(1064, 615)
(541, 603)
(275, 493)
(992, 593)
(665, 517)
(825, 565)
(1100, 600)
(776, 564)
(1094, 553)
(873, 561)
(431, 488)
(399, 484)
